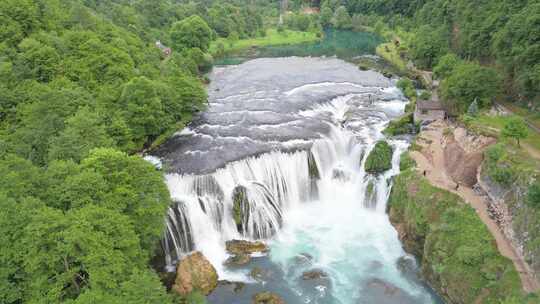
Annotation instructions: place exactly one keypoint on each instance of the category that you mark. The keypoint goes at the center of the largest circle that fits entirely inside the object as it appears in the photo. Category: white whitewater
(294, 139)
(345, 230)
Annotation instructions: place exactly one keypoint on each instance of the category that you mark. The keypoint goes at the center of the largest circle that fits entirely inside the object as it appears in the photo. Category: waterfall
(248, 199)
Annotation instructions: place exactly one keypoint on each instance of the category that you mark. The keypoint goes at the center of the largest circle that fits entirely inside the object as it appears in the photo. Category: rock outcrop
(267, 298)
(315, 274)
(240, 208)
(463, 155)
(245, 247)
(380, 158)
(195, 272)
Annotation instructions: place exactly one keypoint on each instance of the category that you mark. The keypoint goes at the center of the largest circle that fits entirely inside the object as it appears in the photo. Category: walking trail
(431, 159)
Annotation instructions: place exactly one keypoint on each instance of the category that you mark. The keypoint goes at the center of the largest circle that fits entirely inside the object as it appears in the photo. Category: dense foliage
(84, 84)
(380, 158)
(500, 33)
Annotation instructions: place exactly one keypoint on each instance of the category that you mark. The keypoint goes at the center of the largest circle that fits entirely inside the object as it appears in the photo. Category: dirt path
(431, 160)
(531, 150)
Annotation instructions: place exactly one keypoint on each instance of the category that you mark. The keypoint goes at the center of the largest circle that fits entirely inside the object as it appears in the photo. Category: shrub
(498, 166)
(403, 125)
(380, 158)
(533, 195)
(406, 162)
(516, 128)
(407, 87)
(425, 95)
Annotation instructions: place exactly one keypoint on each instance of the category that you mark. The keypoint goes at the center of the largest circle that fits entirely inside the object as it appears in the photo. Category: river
(270, 121)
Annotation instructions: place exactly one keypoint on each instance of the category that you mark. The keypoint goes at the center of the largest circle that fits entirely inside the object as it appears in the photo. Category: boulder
(235, 287)
(245, 247)
(380, 158)
(303, 259)
(260, 274)
(315, 274)
(386, 288)
(238, 260)
(384, 292)
(240, 208)
(267, 298)
(312, 167)
(195, 272)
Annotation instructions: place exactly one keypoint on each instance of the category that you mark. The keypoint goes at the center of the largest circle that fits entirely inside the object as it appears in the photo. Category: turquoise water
(343, 44)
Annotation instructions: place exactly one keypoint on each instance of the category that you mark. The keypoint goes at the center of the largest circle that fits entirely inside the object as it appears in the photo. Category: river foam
(321, 112)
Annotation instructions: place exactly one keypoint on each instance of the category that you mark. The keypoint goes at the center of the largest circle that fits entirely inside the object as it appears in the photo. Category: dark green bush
(380, 158)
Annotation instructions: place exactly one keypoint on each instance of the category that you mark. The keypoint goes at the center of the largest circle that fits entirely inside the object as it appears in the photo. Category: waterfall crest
(247, 199)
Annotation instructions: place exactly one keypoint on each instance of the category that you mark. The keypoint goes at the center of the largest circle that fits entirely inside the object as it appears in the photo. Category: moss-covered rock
(240, 208)
(245, 247)
(402, 125)
(312, 167)
(459, 256)
(267, 298)
(195, 273)
(406, 162)
(380, 158)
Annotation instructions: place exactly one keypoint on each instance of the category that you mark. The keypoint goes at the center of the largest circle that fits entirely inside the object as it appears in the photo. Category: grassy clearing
(389, 52)
(532, 117)
(273, 37)
(492, 125)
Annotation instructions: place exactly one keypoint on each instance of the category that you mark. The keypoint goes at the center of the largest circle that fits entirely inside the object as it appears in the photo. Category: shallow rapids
(269, 124)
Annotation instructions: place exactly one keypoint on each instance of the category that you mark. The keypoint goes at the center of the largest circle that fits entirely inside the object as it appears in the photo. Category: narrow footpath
(431, 160)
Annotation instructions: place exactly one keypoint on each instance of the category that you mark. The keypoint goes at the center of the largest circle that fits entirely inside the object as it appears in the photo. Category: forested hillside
(79, 224)
(501, 33)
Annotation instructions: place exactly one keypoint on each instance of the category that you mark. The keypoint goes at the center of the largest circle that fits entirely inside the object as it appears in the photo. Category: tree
(325, 17)
(66, 254)
(142, 109)
(37, 61)
(515, 128)
(192, 32)
(468, 82)
(429, 45)
(42, 116)
(144, 287)
(84, 132)
(15, 214)
(446, 66)
(342, 19)
(133, 188)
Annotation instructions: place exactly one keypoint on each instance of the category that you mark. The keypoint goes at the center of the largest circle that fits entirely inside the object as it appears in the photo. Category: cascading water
(307, 195)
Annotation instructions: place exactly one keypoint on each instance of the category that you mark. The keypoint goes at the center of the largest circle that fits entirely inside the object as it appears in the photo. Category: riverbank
(444, 219)
(458, 255)
(273, 37)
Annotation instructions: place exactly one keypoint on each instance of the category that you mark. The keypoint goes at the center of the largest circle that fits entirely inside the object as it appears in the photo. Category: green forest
(85, 87)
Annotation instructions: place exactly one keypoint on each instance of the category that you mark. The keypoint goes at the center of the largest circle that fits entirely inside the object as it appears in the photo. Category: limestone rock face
(463, 155)
(195, 272)
(267, 298)
(239, 247)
